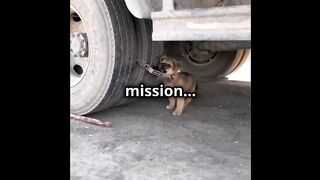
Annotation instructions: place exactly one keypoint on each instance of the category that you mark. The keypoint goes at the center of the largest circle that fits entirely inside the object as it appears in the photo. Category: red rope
(90, 120)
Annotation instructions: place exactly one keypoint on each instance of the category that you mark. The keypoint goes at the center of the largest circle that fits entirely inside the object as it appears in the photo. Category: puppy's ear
(163, 58)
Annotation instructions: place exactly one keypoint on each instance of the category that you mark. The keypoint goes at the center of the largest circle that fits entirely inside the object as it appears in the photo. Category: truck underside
(196, 20)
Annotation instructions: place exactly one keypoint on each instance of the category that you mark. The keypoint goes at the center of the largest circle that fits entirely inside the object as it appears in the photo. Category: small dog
(171, 68)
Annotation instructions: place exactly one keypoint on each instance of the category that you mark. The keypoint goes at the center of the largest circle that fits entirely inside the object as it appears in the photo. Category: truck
(210, 38)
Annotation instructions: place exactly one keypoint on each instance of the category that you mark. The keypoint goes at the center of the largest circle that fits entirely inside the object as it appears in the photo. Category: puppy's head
(168, 65)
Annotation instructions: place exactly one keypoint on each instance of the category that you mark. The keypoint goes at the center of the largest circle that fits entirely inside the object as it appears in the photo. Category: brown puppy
(171, 68)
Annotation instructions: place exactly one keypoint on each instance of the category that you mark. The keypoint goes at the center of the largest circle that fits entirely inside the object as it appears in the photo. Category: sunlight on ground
(244, 73)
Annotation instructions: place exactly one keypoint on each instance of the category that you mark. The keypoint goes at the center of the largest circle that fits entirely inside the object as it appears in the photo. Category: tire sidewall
(89, 92)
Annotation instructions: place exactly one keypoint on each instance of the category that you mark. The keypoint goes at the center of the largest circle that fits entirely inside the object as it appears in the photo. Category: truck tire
(222, 64)
(148, 52)
(103, 75)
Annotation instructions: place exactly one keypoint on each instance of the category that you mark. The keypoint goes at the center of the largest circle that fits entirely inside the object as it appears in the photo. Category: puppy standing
(171, 67)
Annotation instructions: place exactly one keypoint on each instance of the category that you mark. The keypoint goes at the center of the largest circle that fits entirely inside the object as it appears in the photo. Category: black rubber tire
(112, 52)
(148, 52)
(155, 48)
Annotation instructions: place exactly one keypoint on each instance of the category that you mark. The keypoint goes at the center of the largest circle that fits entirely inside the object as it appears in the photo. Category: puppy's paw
(169, 107)
(175, 113)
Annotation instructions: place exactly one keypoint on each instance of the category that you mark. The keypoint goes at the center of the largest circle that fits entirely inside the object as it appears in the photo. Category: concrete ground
(210, 140)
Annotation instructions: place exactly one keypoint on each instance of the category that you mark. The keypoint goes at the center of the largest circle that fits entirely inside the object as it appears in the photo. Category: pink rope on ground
(90, 120)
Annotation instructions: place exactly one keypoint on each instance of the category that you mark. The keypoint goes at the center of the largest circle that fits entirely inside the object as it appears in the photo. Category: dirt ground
(210, 140)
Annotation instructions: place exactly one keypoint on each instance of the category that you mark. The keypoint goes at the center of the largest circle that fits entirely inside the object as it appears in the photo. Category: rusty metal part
(199, 55)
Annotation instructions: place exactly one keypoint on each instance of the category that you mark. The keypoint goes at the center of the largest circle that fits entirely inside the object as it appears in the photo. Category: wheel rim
(240, 58)
(79, 48)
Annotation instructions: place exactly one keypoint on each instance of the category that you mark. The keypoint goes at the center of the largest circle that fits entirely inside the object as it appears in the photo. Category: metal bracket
(229, 23)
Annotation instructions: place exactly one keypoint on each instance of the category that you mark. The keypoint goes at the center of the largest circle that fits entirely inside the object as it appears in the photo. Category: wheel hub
(79, 48)
(198, 55)
(78, 45)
